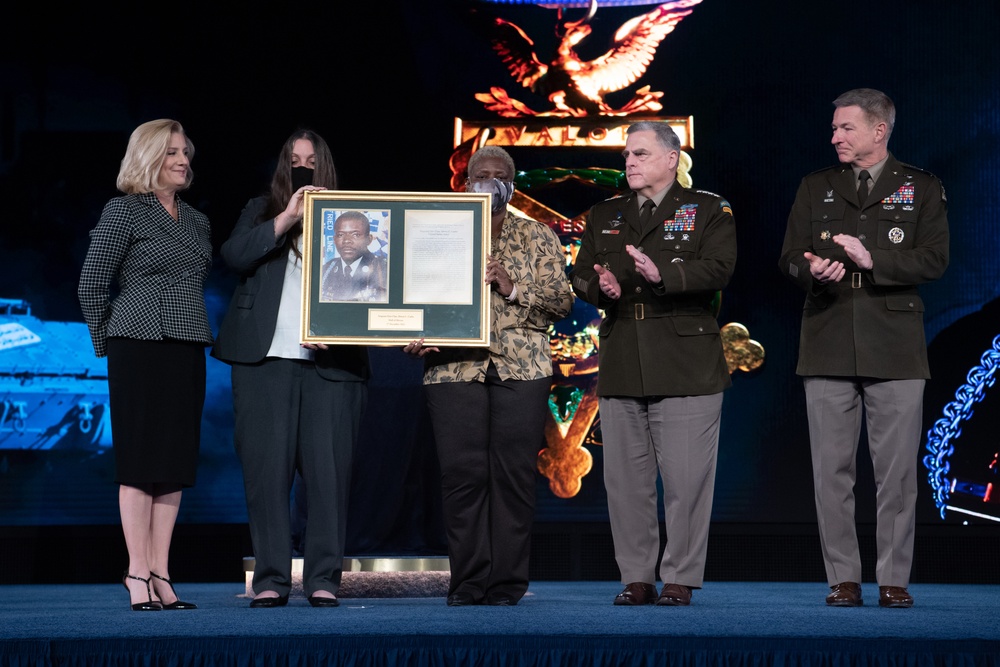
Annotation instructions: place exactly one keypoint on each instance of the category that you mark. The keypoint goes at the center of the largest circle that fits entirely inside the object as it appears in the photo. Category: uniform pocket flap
(606, 325)
(695, 325)
(910, 302)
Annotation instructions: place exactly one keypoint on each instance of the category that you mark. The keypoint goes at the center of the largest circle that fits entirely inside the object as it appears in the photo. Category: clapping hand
(856, 250)
(608, 282)
(644, 266)
(824, 270)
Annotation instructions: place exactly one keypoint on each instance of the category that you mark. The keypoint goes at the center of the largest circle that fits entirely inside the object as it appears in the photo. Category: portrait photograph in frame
(387, 268)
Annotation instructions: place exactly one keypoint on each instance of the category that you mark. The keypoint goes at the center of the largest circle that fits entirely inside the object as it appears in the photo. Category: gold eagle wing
(516, 50)
(633, 48)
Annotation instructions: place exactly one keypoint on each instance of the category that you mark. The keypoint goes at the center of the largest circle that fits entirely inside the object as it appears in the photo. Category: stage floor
(557, 623)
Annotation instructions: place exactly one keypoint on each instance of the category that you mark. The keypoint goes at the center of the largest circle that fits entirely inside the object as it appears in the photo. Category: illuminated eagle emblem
(577, 88)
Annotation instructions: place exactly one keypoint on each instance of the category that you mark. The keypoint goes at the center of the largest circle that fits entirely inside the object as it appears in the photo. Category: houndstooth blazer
(159, 264)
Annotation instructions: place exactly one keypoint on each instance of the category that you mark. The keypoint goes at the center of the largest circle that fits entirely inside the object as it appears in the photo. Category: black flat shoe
(317, 601)
(151, 604)
(268, 603)
(176, 604)
(461, 599)
(500, 600)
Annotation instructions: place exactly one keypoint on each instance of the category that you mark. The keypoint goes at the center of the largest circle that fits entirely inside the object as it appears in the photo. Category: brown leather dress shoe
(845, 594)
(635, 594)
(894, 596)
(674, 595)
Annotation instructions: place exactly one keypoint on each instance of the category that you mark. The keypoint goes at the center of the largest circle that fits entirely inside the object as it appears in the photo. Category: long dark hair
(324, 175)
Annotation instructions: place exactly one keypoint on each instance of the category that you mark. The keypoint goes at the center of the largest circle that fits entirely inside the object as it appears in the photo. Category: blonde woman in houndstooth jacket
(157, 250)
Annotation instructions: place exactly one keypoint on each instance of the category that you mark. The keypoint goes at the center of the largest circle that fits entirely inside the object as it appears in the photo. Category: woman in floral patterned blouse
(488, 406)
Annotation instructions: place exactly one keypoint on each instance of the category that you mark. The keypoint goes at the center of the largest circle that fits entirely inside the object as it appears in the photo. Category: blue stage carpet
(558, 624)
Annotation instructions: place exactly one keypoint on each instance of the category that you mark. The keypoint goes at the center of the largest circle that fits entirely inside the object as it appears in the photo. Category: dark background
(383, 83)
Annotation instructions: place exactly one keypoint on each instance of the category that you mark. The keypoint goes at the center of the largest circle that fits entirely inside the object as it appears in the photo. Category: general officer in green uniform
(861, 237)
(654, 261)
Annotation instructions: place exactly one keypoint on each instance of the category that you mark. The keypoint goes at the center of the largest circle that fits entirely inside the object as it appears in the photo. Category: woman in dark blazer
(154, 332)
(297, 407)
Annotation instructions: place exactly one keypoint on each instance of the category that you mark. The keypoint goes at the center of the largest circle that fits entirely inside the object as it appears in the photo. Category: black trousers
(488, 435)
(288, 418)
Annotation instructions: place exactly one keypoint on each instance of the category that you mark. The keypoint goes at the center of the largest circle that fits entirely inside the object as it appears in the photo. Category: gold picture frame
(418, 273)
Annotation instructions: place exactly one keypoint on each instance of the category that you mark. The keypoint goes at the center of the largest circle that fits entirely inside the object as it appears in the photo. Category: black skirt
(157, 392)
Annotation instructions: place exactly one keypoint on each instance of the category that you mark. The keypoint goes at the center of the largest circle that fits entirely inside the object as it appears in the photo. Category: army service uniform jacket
(870, 323)
(660, 340)
(367, 284)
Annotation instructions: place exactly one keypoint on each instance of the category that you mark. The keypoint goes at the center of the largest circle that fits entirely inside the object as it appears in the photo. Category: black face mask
(301, 176)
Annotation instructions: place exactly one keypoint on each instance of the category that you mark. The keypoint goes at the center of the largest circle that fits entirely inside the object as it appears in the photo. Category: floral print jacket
(519, 337)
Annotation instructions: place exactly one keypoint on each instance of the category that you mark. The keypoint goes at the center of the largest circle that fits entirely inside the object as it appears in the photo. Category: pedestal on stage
(377, 577)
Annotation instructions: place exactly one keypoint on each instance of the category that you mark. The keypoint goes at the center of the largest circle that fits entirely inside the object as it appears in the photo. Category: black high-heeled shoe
(151, 605)
(176, 604)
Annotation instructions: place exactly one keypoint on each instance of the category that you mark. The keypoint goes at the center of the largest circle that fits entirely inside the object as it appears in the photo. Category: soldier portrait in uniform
(356, 272)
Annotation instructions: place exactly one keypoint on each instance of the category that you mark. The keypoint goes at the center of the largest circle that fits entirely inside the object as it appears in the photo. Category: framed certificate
(386, 268)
